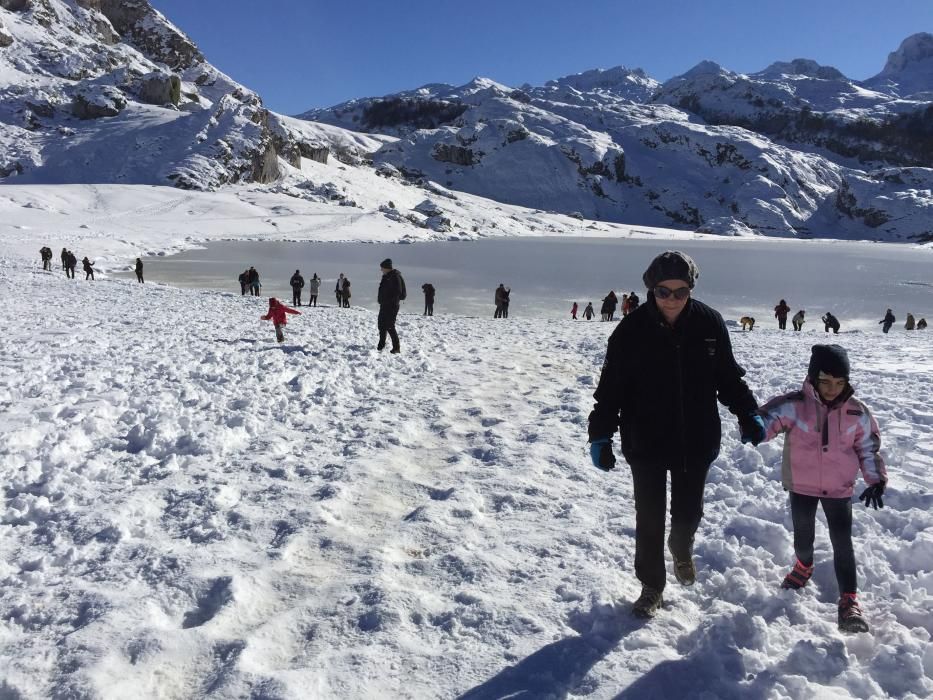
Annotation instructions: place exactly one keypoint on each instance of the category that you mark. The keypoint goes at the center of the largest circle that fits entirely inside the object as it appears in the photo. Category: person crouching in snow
(276, 314)
(830, 435)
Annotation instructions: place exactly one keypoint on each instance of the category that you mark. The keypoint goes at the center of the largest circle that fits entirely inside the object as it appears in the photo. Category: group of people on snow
(910, 323)
(297, 283)
(249, 282)
(607, 311)
(666, 365)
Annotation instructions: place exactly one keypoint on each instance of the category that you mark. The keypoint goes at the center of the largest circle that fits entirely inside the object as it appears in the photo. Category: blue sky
(300, 54)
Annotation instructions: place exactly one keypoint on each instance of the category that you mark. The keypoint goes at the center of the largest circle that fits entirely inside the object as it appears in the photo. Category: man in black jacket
(297, 283)
(666, 365)
(391, 294)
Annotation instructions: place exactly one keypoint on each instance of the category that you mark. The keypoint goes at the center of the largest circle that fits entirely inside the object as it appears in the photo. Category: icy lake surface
(856, 281)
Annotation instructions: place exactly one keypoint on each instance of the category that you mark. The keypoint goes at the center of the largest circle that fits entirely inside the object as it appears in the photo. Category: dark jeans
(428, 307)
(387, 316)
(296, 297)
(499, 312)
(312, 300)
(782, 323)
(838, 513)
(139, 277)
(650, 485)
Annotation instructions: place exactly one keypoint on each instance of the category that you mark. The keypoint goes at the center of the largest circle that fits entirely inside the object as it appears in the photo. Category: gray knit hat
(671, 265)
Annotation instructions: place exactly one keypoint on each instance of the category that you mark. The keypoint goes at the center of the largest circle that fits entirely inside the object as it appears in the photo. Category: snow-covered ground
(192, 510)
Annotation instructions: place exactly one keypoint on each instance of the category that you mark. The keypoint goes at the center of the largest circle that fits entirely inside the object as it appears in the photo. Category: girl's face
(829, 387)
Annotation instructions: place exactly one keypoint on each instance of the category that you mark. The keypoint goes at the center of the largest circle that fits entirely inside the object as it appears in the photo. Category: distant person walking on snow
(588, 312)
(314, 286)
(46, 254)
(277, 314)
(391, 294)
(243, 279)
(254, 284)
(297, 283)
(666, 365)
(65, 260)
(70, 264)
(830, 436)
(610, 302)
(502, 301)
(139, 270)
(345, 293)
(798, 320)
(88, 268)
(830, 323)
(573, 311)
(338, 290)
(908, 326)
(888, 321)
(780, 313)
(429, 293)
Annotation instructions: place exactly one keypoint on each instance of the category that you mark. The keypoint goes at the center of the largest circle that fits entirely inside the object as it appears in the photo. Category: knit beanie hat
(831, 359)
(386, 264)
(671, 265)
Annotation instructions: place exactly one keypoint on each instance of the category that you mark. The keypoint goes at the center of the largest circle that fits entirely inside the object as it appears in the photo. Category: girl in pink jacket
(829, 436)
(276, 314)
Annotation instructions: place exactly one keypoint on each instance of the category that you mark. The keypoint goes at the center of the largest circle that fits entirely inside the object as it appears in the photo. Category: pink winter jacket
(824, 446)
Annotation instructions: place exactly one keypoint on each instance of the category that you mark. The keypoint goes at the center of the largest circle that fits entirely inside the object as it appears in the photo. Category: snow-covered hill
(797, 149)
(110, 92)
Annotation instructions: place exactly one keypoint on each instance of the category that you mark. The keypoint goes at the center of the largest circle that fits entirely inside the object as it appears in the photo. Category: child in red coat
(276, 314)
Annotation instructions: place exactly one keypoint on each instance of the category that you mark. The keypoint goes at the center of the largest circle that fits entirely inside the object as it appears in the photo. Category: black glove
(601, 454)
(872, 495)
(752, 428)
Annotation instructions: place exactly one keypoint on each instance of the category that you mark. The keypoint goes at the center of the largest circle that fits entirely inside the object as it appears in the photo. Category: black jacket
(660, 385)
(391, 288)
(428, 291)
(297, 282)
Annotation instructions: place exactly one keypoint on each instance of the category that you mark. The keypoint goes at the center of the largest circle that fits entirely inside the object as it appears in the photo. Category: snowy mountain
(797, 149)
(110, 92)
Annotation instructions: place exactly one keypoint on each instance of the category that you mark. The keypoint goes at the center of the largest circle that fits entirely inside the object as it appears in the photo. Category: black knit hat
(831, 359)
(671, 265)
(386, 264)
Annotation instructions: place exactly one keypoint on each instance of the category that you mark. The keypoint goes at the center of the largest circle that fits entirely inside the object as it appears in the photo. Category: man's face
(671, 306)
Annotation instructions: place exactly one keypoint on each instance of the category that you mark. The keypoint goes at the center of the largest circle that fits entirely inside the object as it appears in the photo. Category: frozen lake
(856, 281)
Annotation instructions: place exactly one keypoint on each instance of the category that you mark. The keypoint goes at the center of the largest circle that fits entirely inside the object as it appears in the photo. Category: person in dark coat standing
(243, 279)
(391, 294)
(830, 323)
(588, 312)
(46, 254)
(780, 313)
(297, 283)
(70, 264)
(254, 284)
(429, 292)
(65, 260)
(139, 270)
(88, 268)
(888, 321)
(502, 301)
(666, 365)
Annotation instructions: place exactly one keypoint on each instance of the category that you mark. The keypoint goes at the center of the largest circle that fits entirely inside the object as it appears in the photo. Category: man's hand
(752, 428)
(601, 454)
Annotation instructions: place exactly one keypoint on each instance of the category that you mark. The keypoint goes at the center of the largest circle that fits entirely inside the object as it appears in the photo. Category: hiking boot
(798, 576)
(685, 570)
(395, 351)
(648, 603)
(381, 347)
(850, 615)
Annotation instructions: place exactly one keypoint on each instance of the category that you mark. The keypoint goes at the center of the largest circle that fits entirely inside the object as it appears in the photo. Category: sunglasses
(679, 294)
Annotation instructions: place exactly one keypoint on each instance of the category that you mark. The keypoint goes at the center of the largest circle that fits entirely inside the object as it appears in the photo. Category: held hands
(752, 428)
(872, 495)
(601, 454)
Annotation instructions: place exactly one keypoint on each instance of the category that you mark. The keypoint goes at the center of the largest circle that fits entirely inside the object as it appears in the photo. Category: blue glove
(872, 495)
(752, 428)
(601, 454)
